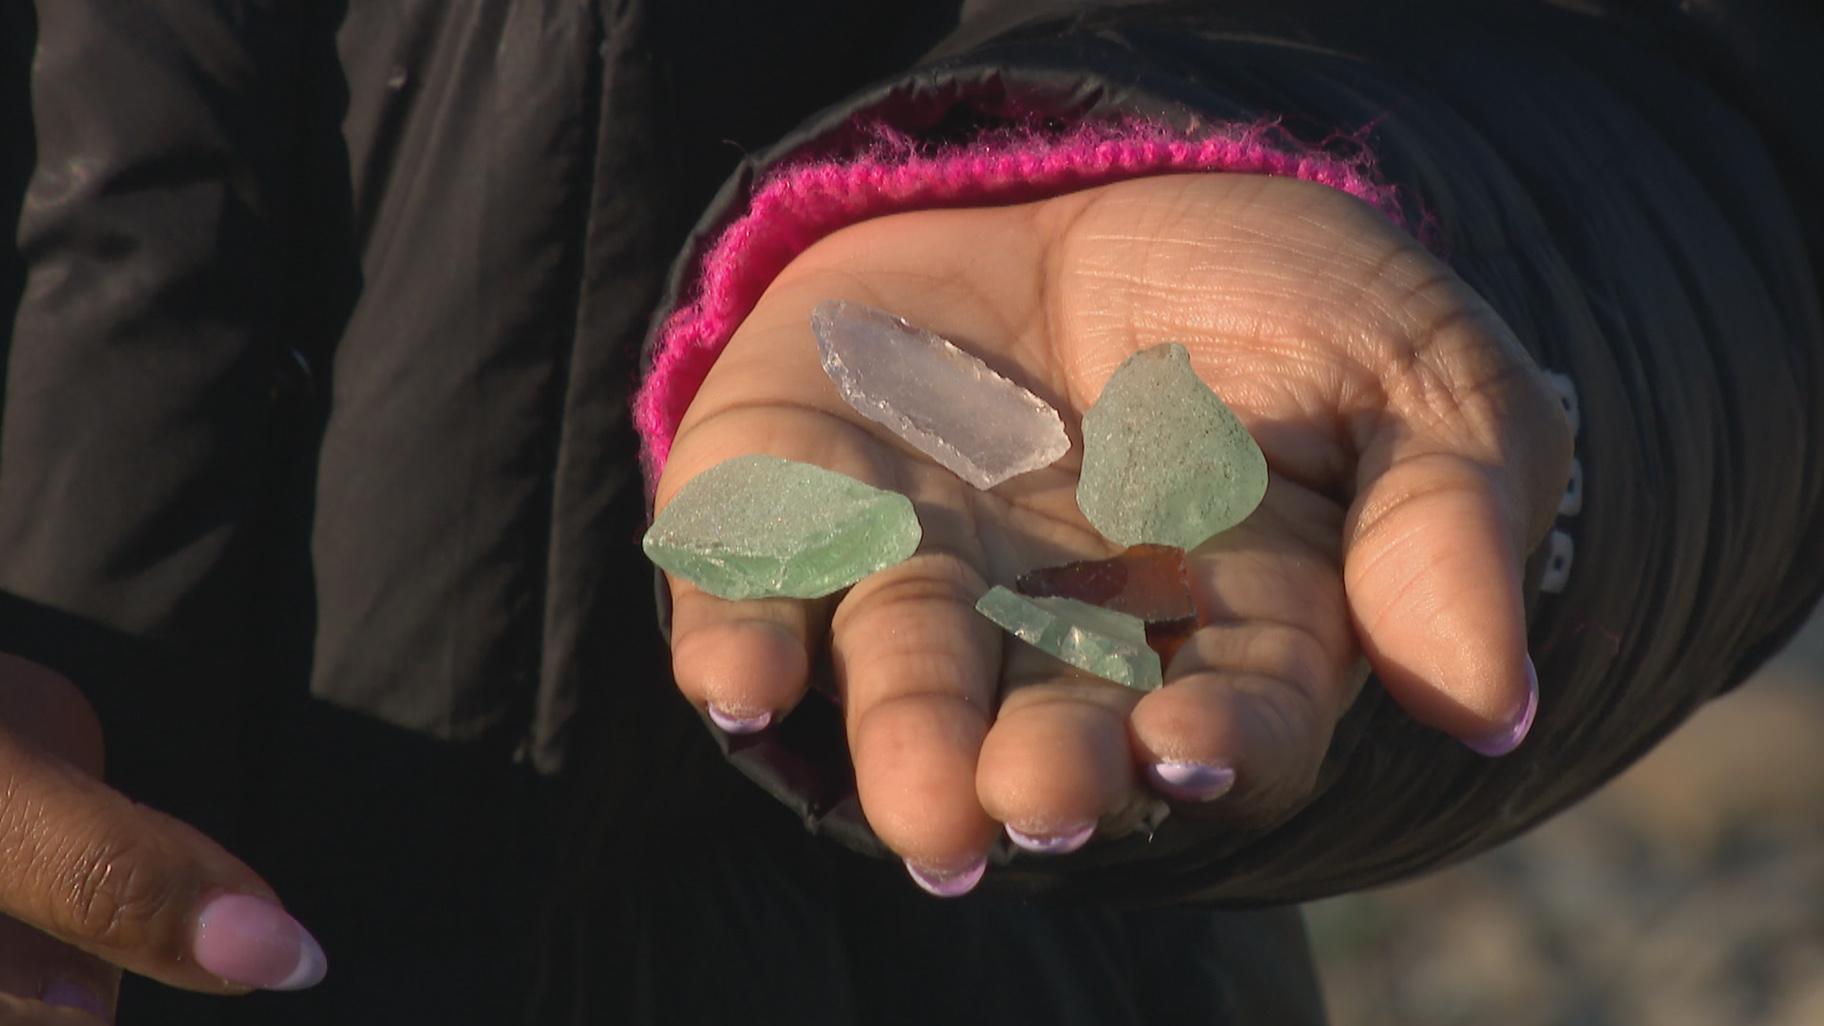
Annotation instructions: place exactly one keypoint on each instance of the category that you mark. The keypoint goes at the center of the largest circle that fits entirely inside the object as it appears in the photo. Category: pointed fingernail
(947, 882)
(253, 942)
(739, 724)
(1191, 781)
(70, 994)
(1509, 737)
(1059, 843)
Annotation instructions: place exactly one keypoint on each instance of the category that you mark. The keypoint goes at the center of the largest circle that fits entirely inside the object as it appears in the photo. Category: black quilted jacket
(316, 471)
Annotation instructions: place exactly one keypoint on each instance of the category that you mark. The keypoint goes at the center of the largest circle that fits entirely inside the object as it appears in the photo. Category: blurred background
(1689, 892)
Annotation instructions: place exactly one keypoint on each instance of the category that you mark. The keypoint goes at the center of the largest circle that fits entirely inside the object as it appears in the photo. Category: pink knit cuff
(799, 203)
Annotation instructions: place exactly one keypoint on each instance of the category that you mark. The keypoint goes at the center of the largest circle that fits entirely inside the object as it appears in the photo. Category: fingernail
(1508, 738)
(1053, 844)
(948, 883)
(738, 724)
(253, 942)
(1191, 781)
(70, 994)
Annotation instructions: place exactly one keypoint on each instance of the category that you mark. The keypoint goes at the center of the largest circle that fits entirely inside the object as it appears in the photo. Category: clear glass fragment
(944, 402)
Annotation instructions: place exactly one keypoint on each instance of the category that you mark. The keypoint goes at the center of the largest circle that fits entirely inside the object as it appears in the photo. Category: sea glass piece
(1165, 462)
(761, 526)
(1101, 641)
(1149, 582)
(944, 402)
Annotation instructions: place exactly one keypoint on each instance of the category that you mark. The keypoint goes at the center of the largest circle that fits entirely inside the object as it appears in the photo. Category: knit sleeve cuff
(797, 203)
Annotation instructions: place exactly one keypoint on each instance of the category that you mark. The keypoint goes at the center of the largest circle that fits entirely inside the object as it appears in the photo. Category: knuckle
(1389, 519)
(1287, 714)
(114, 894)
(927, 581)
(1448, 369)
(1300, 733)
(1439, 350)
(1292, 654)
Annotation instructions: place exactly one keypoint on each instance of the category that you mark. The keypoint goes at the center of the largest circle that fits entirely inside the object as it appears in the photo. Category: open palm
(1415, 454)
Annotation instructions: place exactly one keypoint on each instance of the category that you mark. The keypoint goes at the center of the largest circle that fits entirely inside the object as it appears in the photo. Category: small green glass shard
(1101, 641)
(761, 526)
(1151, 582)
(1165, 462)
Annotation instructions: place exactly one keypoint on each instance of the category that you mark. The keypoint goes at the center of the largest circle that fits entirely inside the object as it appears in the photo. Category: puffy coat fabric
(318, 470)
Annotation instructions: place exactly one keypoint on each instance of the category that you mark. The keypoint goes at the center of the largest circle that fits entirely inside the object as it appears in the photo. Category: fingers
(1252, 697)
(918, 669)
(128, 885)
(1457, 477)
(1057, 760)
(1432, 573)
(1245, 717)
(34, 966)
(746, 663)
(18, 1011)
(1246, 713)
(1227, 730)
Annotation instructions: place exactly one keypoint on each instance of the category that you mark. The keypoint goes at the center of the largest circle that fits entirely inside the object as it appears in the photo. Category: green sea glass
(1164, 461)
(761, 526)
(1100, 641)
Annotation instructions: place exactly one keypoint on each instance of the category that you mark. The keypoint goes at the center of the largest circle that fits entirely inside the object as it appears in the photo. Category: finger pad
(1438, 609)
(743, 667)
(1054, 764)
(915, 767)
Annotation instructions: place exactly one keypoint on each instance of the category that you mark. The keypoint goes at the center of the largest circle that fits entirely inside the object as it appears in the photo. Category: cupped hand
(91, 883)
(1416, 456)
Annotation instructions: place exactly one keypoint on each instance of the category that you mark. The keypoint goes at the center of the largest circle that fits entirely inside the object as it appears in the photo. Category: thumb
(1432, 570)
(33, 966)
(128, 885)
(17, 1011)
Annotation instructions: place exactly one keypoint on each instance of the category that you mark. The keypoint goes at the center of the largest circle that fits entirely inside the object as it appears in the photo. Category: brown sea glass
(1150, 582)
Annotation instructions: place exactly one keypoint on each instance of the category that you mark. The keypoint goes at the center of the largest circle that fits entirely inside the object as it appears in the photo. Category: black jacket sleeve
(148, 156)
(129, 292)
(1634, 190)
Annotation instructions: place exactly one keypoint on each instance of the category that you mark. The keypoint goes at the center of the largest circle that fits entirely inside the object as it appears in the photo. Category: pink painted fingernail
(70, 994)
(1061, 843)
(739, 724)
(948, 882)
(1509, 737)
(253, 942)
(1191, 781)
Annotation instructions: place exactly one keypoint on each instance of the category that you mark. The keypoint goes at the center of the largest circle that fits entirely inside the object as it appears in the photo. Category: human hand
(91, 883)
(1416, 457)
